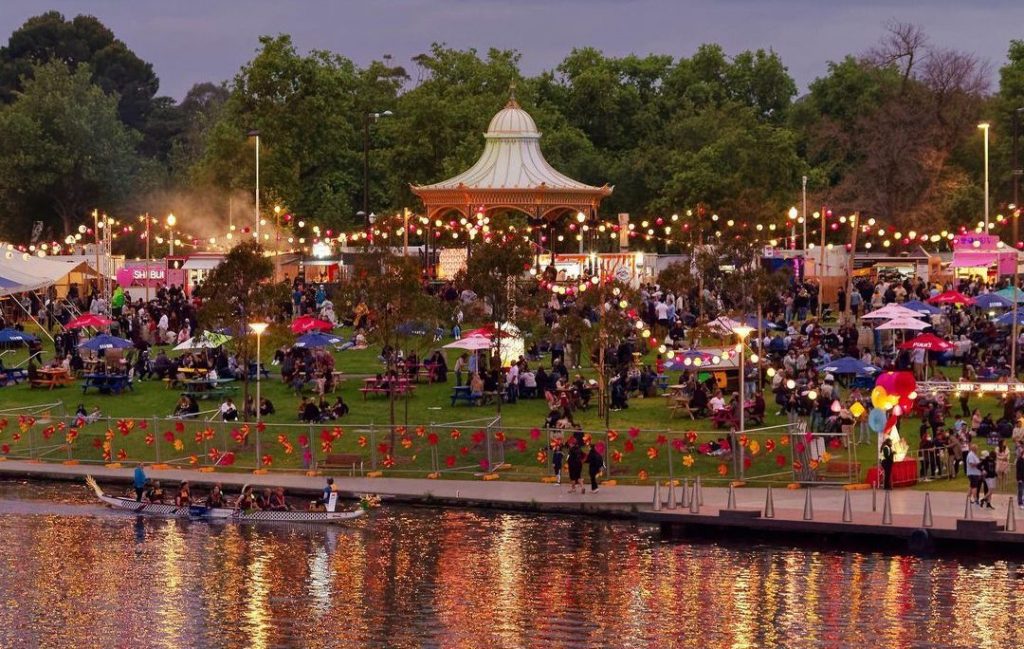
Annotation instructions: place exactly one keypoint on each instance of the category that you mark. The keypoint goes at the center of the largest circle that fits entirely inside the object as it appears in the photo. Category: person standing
(596, 462)
(139, 482)
(1020, 476)
(988, 474)
(973, 473)
(575, 467)
(887, 462)
(557, 458)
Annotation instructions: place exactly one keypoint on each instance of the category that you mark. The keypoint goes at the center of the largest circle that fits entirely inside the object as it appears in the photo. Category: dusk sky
(190, 41)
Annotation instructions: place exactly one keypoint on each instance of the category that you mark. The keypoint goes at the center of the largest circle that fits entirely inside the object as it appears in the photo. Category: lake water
(73, 574)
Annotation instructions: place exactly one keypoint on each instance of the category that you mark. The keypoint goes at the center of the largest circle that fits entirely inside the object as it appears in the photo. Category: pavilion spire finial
(512, 103)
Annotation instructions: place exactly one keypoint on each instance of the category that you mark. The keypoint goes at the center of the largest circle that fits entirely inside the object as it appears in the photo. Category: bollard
(886, 510)
(731, 504)
(1011, 517)
(671, 495)
(769, 504)
(684, 497)
(874, 496)
(968, 512)
(847, 508)
(808, 507)
(927, 521)
(657, 497)
(694, 500)
(700, 492)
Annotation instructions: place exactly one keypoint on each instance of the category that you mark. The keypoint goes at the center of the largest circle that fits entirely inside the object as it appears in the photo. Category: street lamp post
(1015, 215)
(793, 214)
(171, 222)
(256, 134)
(96, 232)
(257, 328)
(147, 256)
(805, 213)
(277, 241)
(742, 331)
(366, 156)
(984, 127)
(581, 218)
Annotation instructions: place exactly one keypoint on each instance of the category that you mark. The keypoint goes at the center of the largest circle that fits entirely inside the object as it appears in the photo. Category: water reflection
(428, 577)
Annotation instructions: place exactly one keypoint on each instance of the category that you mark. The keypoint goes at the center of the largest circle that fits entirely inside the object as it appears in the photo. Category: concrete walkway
(867, 508)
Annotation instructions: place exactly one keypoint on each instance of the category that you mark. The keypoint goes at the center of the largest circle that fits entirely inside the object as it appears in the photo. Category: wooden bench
(398, 390)
(14, 375)
(218, 392)
(341, 461)
(840, 469)
(465, 395)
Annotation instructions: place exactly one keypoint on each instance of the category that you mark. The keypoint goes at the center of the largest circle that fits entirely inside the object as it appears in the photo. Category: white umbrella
(904, 323)
(205, 340)
(724, 326)
(890, 311)
(470, 343)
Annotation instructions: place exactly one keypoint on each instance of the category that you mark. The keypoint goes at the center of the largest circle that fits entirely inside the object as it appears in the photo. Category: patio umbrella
(929, 342)
(992, 301)
(1012, 294)
(1006, 319)
(314, 340)
(205, 340)
(952, 297)
(848, 365)
(903, 323)
(890, 311)
(89, 320)
(486, 331)
(307, 323)
(766, 324)
(470, 343)
(724, 326)
(922, 307)
(14, 336)
(106, 341)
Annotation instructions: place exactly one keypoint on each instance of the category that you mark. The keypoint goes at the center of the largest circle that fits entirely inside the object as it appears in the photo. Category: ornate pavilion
(512, 174)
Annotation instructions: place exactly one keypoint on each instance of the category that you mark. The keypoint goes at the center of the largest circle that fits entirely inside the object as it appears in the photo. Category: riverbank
(822, 515)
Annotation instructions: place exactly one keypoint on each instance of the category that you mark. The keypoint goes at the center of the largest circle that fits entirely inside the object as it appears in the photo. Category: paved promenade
(866, 508)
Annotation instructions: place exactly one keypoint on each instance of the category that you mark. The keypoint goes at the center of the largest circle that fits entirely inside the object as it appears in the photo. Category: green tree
(64, 151)
(240, 290)
(81, 41)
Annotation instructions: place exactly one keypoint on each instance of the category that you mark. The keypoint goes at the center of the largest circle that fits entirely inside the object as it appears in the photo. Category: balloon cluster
(894, 389)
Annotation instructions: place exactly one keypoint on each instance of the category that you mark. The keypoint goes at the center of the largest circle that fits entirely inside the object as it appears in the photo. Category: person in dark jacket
(596, 462)
(1020, 475)
(887, 462)
(575, 467)
(557, 458)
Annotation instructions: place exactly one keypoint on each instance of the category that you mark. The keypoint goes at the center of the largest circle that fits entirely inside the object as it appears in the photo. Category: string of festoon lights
(675, 230)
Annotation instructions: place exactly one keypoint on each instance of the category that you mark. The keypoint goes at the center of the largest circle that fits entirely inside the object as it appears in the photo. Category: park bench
(341, 461)
(48, 382)
(218, 392)
(462, 393)
(398, 390)
(839, 470)
(9, 375)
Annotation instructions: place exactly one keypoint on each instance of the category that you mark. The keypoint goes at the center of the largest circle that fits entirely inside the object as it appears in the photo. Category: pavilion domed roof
(512, 121)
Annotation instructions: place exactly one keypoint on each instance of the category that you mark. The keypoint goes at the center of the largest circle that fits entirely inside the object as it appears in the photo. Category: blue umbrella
(316, 339)
(15, 336)
(1007, 318)
(992, 301)
(921, 307)
(848, 365)
(766, 324)
(106, 341)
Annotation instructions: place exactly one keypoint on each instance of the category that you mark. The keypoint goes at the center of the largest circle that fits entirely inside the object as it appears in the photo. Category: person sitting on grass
(228, 411)
(266, 407)
(340, 408)
(309, 412)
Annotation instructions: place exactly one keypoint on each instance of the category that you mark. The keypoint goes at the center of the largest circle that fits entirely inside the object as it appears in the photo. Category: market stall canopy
(890, 311)
(952, 297)
(202, 263)
(20, 272)
(964, 259)
(929, 342)
(903, 323)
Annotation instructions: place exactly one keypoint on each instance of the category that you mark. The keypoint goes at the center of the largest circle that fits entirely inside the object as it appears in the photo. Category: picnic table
(678, 400)
(262, 370)
(396, 386)
(463, 393)
(208, 388)
(51, 377)
(107, 383)
(15, 374)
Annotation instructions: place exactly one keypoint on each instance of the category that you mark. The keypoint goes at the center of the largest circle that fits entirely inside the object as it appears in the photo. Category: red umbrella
(952, 297)
(486, 331)
(89, 320)
(929, 342)
(307, 323)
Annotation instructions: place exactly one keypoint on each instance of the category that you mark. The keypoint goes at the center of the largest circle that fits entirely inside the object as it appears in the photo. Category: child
(557, 457)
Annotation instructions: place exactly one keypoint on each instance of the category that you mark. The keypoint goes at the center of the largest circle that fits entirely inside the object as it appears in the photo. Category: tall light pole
(147, 256)
(805, 213)
(793, 214)
(742, 331)
(367, 118)
(257, 328)
(1015, 215)
(984, 127)
(96, 232)
(171, 222)
(256, 134)
(581, 218)
(277, 241)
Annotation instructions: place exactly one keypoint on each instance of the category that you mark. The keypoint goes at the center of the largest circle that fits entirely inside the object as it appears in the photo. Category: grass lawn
(138, 429)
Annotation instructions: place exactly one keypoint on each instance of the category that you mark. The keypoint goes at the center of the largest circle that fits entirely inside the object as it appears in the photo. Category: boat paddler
(139, 481)
(184, 497)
